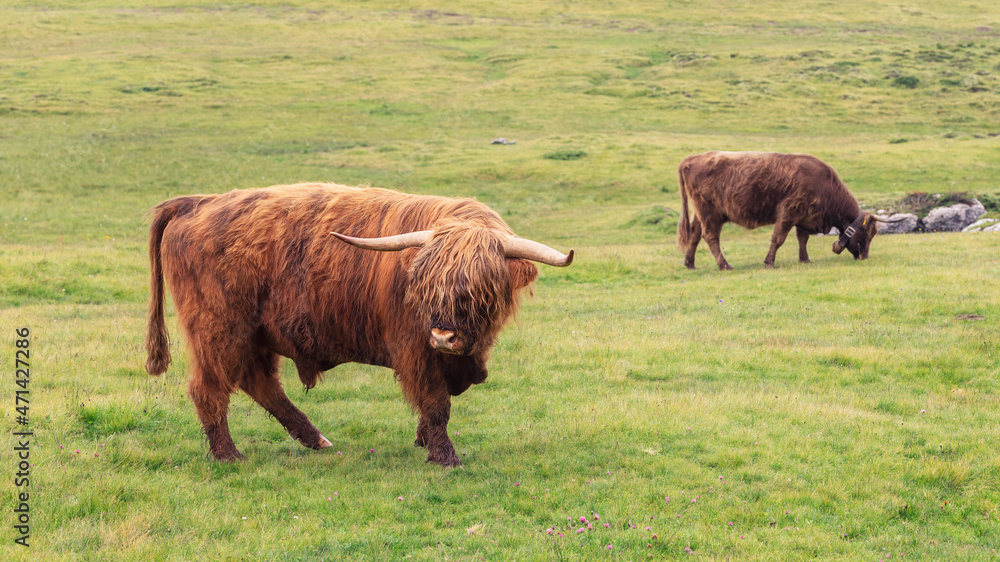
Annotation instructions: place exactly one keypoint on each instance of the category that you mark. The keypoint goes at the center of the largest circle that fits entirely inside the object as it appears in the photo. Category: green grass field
(838, 410)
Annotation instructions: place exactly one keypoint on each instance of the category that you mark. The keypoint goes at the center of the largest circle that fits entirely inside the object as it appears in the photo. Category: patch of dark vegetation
(920, 203)
(972, 317)
(631, 62)
(565, 155)
(626, 91)
(937, 55)
(394, 110)
(900, 140)
(811, 55)
(657, 216)
(301, 147)
(661, 56)
(907, 513)
(683, 59)
(839, 361)
(910, 82)
(170, 89)
(503, 58)
(990, 201)
(140, 89)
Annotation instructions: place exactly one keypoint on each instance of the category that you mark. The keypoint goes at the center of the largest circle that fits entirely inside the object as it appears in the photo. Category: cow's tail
(684, 225)
(157, 341)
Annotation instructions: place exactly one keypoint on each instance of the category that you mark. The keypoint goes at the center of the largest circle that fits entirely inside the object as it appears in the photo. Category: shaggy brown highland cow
(753, 189)
(419, 284)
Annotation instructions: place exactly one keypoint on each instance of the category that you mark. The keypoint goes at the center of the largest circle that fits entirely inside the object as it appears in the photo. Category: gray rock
(954, 218)
(909, 223)
(983, 225)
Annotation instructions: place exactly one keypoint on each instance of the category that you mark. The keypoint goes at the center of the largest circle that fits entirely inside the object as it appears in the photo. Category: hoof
(449, 461)
(229, 456)
(312, 439)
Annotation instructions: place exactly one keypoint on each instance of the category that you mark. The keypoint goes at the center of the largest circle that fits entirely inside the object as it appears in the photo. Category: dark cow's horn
(388, 243)
(523, 248)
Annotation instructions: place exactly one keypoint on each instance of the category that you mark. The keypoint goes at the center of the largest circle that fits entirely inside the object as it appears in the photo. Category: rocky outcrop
(956, 218)
(953, 218)
(983, 225)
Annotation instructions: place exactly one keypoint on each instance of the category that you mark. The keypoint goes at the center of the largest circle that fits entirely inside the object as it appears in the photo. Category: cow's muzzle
(446, 341)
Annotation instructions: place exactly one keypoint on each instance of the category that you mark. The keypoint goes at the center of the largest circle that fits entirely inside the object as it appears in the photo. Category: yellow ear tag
(864, 222)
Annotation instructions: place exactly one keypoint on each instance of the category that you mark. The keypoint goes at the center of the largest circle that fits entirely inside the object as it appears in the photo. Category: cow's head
(857, 238)
(463, 281)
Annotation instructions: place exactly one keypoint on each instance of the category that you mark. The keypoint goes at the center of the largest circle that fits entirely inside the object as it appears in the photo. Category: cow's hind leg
(694, 233)
(711, 231)
(263, 384)
(211, 400)
(803, 237)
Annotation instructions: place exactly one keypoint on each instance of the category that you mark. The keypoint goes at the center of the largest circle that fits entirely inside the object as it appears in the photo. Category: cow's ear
(522, 272)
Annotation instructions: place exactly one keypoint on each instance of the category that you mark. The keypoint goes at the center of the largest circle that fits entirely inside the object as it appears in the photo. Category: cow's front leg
(421, 440)
(803, 237)
(263, 384)
(777, 239)
(435, 410)
(425, 388)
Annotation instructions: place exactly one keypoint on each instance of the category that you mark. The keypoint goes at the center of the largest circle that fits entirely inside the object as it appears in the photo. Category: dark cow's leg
(781, 229)
(711, 231)
(695, 232)
(215, 366)
(425, 387)
(434, 407)
(803, 237)
(421, 440)
(264, 385)
(436, 410)
(211, 401)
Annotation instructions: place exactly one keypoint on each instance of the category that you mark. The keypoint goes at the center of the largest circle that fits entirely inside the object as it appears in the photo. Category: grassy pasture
(838, 410)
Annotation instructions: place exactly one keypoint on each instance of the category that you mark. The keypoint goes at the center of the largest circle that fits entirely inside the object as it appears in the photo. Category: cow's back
(748, 188)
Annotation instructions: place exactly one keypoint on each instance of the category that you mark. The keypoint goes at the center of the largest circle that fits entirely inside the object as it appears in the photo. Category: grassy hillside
(840, 409)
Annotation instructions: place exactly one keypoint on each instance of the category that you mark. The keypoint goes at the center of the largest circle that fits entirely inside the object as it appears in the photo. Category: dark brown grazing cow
(260, 273)
(754, 189)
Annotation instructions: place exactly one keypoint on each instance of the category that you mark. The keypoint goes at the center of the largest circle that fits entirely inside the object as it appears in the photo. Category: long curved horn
(388, 243)
(880, 219)
(527, 249)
